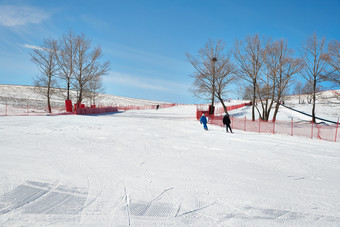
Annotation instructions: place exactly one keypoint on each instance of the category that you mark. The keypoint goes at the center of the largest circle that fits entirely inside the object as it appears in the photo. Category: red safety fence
(336, 93)
(94, 110)
(204, 109)
(28, 110)
(145, 107)
(31, 110)
(306, 129)
(220, 110)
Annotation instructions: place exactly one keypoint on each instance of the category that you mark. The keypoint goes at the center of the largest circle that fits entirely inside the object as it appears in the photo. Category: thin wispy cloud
(131, 81)
(21, 15)
(94, 22)
(33, 47)
(134, 54)
(145, 83)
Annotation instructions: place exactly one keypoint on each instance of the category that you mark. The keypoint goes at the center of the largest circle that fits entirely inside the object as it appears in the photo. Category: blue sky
(146, 40)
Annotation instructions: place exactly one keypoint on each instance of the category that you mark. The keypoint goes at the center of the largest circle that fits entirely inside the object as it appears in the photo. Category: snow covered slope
(23, 95)
(160, 168)
(328, 103)
(327, 107)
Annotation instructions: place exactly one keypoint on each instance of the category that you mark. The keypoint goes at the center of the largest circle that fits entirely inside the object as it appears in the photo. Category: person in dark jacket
(226, 122)
(204, 121)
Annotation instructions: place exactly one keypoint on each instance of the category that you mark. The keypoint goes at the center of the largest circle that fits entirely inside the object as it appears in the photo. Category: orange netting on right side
(306, 129)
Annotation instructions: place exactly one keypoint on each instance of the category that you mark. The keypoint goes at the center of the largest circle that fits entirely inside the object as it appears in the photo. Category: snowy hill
(23, 95)
(327, 107)
(327, 104)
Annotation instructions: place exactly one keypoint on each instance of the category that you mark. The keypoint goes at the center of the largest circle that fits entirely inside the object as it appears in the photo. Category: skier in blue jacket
(204, 121)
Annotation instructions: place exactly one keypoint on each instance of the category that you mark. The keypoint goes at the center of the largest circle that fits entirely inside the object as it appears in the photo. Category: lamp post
(211, 110)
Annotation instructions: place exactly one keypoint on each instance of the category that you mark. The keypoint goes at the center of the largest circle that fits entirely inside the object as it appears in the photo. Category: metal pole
(292, 128)
(232, 121)
(213, 86)
(311, 134)
(336, 131)
(245, 122)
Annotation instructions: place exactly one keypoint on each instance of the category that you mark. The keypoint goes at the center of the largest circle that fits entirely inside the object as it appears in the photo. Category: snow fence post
(311, 133)
(232, 121)
(336, 130)
(273, 127)
(245, 122)
(259, 125)
(291, 128)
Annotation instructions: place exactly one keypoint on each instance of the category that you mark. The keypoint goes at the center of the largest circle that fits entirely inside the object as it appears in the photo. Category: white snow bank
(160, 168)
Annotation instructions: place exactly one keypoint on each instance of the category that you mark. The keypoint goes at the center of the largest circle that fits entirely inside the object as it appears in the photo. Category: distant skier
(204, 121)
(226, 122)
(157, 107)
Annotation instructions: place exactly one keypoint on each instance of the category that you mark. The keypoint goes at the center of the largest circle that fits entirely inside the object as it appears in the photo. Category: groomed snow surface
(160, 168)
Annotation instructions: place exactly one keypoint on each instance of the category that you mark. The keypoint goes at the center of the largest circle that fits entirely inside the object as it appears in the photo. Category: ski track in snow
(160, 168)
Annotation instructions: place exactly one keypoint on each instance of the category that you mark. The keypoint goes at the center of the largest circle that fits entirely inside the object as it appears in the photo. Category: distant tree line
(70, 63)
(265, 69)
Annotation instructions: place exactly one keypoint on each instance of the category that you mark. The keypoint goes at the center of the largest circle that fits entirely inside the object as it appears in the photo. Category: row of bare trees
(265, 68)
(304, 91)
(71, 63)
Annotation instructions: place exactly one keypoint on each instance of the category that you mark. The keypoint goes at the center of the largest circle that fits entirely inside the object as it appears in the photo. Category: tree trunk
(314, 99)
(264, 114)
(48, 100)
(224, 106)
(212, 103)
(68, 90)
(277, 106)
(80, 96)
(213, 87)
(258, 111)
(253, 102)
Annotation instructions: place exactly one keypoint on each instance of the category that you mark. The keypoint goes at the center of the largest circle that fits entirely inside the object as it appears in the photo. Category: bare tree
(66, 59)
(288, 66)
(266, 81)
(315, 57)
(333, 60)
(213, 72)
(204, 86)
(265, 95)
(247, 92)
(298, 89)
(247, 54)
(86, 66)
(268, 70)
(46, 61)
(95, 87)
(307, 90)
